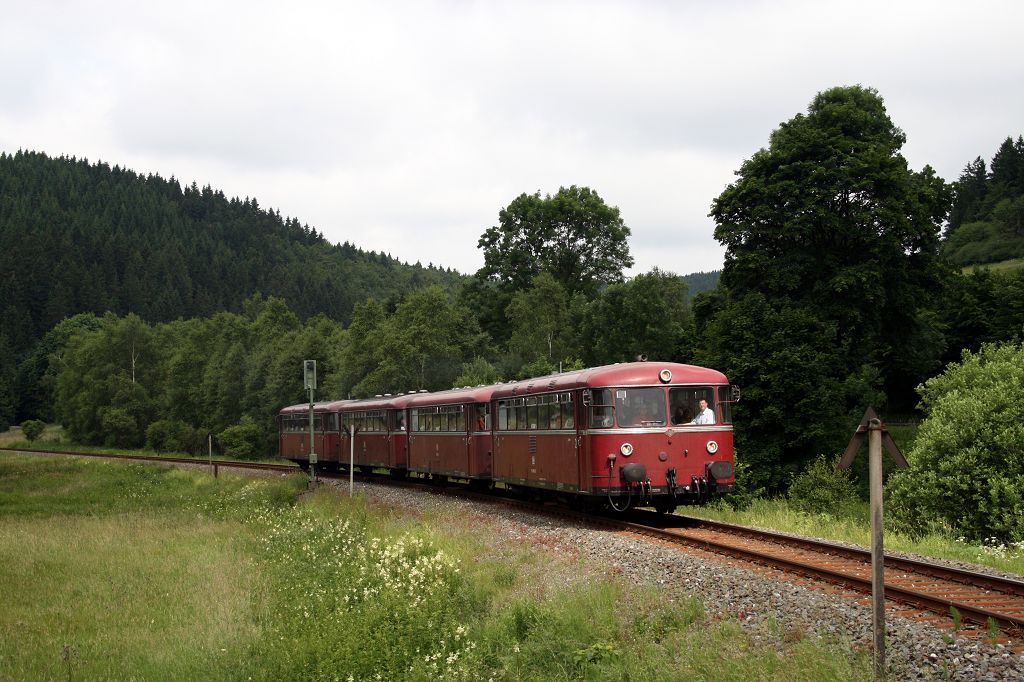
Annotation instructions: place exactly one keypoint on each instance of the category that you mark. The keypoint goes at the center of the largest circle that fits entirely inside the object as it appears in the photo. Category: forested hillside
(986, 223)
(81, 237)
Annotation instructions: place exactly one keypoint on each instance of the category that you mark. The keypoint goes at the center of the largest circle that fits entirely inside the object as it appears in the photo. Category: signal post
(878, 436)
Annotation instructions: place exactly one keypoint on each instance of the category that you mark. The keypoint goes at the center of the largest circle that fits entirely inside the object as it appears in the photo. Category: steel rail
(268, 466)
(972, 578)
(940, 605)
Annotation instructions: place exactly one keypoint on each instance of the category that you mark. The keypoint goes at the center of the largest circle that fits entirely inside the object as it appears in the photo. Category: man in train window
(705, 415)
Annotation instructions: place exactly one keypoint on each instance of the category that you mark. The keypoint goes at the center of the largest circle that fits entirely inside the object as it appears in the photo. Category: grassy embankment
(1001, 267)
(778, 514)
(115, 571)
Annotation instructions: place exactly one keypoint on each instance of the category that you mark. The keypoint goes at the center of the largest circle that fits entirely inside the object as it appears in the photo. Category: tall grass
(121, 572)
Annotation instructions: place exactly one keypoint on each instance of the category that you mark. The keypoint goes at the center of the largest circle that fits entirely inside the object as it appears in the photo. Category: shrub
(823, 488)
(170, 435)
(244, 440)
(967, 465)
(32, 428)
(120, 428)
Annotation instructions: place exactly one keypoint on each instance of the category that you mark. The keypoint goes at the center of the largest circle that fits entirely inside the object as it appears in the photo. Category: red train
(625, 435)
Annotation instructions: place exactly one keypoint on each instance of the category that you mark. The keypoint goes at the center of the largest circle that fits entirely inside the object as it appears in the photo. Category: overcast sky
(405, 127)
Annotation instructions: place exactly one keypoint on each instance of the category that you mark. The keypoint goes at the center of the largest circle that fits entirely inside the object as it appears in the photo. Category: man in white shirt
(705, 416)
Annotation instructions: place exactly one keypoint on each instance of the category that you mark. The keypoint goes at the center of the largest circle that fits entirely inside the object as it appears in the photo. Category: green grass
(109, 571)
(1002, 266)
(114, 571)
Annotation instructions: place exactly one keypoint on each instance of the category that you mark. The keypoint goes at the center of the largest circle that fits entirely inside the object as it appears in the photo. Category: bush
(32, 428)
(823, 488)
(120, 428)
(170, 435)
(967, 465)
(244, 440)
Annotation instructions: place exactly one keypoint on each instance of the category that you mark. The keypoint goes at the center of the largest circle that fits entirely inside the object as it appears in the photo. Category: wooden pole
(877, 551)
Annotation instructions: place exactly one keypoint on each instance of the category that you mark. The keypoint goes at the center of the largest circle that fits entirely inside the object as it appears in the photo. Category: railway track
(985, 600)
(195, 461)
(979, 598)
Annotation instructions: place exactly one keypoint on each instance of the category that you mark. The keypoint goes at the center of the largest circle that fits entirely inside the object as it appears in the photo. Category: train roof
(645, 373)
(476, 394)
(321, 406)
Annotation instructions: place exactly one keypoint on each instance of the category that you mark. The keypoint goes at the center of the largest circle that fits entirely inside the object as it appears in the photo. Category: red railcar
(450, 433)
(380, 432)
(625, 435)
(620, 434)
(293, 433)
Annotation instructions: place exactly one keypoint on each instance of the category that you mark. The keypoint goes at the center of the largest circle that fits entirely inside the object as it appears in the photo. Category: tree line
(835, 295)
(80, 237)
(986, 221)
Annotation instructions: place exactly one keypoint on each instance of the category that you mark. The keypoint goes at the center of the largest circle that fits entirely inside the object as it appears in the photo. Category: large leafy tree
(831, 233)
(574, 235)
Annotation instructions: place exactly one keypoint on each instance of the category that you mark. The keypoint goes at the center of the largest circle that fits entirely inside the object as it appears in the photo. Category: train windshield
(640, 407)
(685, 402)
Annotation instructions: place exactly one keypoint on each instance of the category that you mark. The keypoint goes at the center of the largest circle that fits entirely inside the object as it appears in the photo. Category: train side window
(727, 395)
(460, 419)
(521, 422)
(532, 413)
(602, 409)
(552, 416)
(568, 419)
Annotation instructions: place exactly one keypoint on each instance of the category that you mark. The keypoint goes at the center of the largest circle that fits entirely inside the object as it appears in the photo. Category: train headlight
(626, 449)
(665, 376)
(712, 447)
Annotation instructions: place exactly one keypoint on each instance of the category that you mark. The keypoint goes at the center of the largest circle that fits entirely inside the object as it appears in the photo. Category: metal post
(312, 443)
(351, 458)
(209, 451)
(309, 381)
(877, 551)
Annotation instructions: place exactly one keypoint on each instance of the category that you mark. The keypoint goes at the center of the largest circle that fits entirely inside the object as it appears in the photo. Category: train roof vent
(387, 395)
(378, 396)
(423, 390)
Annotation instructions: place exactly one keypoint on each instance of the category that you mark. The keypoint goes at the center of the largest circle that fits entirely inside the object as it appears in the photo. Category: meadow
(123, 571)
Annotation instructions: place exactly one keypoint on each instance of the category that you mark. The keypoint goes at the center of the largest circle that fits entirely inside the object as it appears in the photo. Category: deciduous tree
(574, 235)
(831, 242)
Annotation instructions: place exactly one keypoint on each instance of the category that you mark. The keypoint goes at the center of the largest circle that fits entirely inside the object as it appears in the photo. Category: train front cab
(644, 449)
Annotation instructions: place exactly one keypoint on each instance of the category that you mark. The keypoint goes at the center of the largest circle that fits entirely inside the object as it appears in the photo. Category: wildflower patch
(348, 605)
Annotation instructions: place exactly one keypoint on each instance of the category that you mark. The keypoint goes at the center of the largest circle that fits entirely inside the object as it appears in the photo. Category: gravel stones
(916, 649)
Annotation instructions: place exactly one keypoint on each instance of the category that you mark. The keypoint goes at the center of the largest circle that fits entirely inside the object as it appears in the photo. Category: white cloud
(406, 126)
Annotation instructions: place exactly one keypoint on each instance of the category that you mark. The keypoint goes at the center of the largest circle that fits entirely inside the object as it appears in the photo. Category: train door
(481, 445)
(581, 403)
